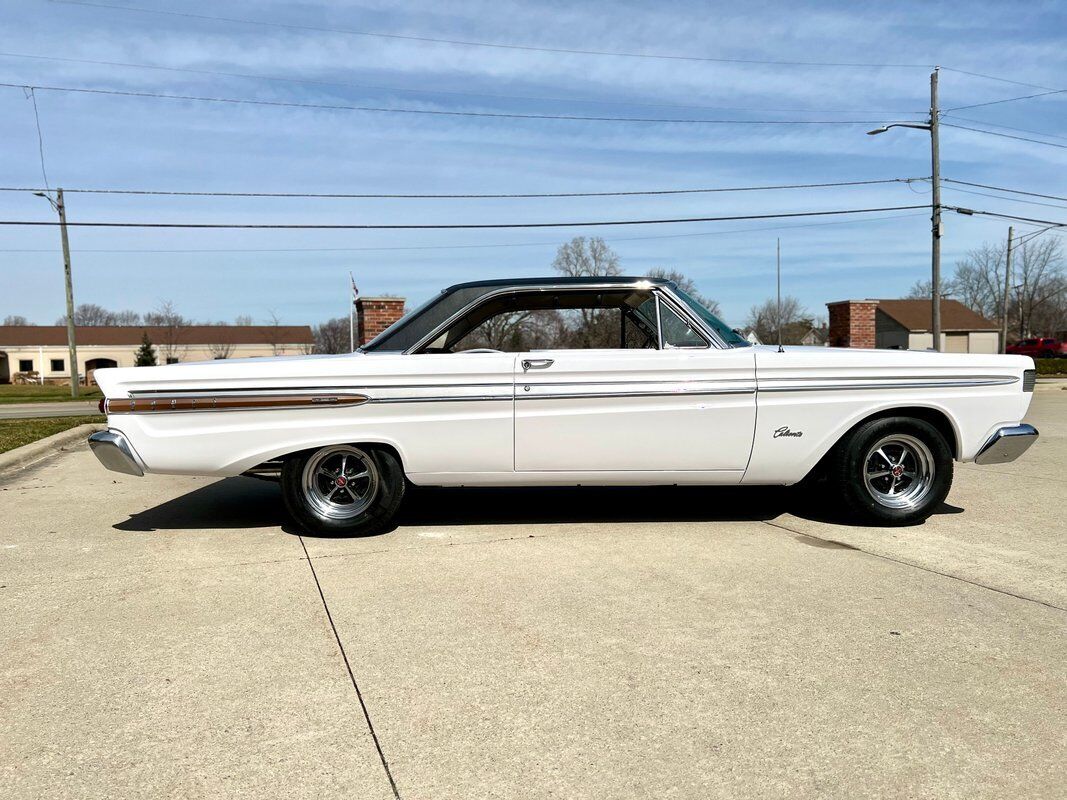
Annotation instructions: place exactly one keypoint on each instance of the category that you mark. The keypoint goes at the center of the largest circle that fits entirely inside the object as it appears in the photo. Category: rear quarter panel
(822, 393)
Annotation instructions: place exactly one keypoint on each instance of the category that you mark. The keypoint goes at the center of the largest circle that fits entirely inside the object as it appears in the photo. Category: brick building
(906, 325)
(375, 314)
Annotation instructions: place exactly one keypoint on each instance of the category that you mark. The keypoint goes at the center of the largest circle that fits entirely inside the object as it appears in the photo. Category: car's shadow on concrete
(251, 503)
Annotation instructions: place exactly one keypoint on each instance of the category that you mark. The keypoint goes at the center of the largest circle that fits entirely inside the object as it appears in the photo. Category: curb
(29, 454)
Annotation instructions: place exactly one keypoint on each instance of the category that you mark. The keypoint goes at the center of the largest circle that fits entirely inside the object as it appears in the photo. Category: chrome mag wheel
(899, 471)
(340, 482)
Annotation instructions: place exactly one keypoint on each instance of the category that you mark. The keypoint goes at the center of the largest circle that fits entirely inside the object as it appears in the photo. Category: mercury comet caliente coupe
(553, 382)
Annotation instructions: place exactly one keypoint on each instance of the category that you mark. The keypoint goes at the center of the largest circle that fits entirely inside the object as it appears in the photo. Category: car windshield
(726, 333)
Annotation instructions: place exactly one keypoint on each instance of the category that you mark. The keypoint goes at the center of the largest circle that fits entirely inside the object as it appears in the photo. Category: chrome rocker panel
(1007, 444)
(113, 451)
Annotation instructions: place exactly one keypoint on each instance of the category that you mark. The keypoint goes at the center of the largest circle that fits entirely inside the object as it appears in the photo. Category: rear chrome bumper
(1007, 444)
(114, 452)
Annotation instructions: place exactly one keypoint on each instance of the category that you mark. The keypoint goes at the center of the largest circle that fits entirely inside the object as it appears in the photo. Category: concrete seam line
(919, 566)
(15, 460)
(351, 674)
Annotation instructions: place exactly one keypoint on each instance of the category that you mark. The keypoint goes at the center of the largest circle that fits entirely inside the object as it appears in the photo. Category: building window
(172, 359)
(58, 365)
(25, 365)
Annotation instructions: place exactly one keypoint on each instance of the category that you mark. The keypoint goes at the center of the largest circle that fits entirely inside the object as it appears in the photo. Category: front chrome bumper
(1007, 444)
(114, 452)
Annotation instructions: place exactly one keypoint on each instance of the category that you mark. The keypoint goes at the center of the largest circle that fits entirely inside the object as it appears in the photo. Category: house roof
(48, 335)
(915, 315)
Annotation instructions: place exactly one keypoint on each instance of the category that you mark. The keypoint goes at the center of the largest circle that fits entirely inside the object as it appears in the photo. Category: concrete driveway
(167, 637)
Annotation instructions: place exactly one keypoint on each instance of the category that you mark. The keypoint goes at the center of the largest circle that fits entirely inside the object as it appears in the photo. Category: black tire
(321, 502)
(916, 462)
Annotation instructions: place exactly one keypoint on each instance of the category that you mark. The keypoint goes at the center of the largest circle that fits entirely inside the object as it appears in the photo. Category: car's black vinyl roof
(557, 280)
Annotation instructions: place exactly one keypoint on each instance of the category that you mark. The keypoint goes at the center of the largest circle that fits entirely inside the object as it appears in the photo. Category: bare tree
(244, 319)
(581, 257)
(88, 314)
(92, 315)
(173, 324)
(687, 285)
(332, 336)
(277, 347)
(795, 320)
(127, 317)
(1037, 304)
(586, 258)
(1041, 296)
(221, 350)
(18, 319)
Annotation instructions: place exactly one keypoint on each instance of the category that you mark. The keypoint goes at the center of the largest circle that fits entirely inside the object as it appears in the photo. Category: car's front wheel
(893, 471)
(343, 489)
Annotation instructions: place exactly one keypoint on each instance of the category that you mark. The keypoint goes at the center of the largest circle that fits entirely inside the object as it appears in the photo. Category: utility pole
(935, 203)
(935, 200)
(1007, 288)
(71, 346)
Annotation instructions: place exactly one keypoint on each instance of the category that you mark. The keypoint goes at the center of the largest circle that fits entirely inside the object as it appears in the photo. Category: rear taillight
(102, 405)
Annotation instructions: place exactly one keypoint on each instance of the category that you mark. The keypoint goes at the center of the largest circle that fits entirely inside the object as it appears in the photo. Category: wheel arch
(266, 463)
(937, 417)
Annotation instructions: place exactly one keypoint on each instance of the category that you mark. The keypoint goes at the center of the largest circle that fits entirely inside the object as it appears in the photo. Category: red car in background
(1039, 348)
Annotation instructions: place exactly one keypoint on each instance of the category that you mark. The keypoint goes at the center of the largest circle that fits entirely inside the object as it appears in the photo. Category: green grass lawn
(17, 432)
(14, 393)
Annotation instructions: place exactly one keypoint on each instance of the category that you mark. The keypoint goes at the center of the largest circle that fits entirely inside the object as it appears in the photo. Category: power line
(1009, 199)
(1007, 100)
(553, 243)
(454, 226)
(433, 112)
(495, 45)
(970, 211)
(40, 139)
(1004, 189)
(376, 87)
(1003, 135)
(338, 195)
(1004, 127)
(997, 78)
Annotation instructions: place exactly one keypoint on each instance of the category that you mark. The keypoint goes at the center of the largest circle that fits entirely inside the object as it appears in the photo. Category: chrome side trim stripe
(168, 404)
(665, 393)
(894, 384)
(442, 399)
(561, 396)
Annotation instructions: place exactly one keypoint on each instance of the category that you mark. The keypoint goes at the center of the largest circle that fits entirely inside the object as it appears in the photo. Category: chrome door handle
(536, 363)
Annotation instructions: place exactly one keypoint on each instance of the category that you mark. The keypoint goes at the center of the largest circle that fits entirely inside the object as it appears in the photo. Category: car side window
(677, 332)
(559, 320)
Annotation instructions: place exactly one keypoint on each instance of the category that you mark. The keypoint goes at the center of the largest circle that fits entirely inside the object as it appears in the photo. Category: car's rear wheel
(343, 489)
(893, 471)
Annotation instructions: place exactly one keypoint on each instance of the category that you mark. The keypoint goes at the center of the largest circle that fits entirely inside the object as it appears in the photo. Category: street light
(922, 126)
(935, 203)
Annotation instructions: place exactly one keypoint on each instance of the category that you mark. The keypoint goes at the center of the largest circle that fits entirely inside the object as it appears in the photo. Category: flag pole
(352, 313)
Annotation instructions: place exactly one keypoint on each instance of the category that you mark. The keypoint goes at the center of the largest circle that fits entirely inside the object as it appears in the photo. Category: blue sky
(108, 141)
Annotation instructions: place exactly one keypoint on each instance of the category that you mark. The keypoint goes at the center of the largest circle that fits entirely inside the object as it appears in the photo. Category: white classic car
(552, 382)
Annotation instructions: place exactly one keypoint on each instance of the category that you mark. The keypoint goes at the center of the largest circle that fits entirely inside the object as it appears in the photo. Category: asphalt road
(168, 637)
(69, 408)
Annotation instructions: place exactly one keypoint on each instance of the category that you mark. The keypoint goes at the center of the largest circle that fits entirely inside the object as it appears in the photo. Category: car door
(671, 409)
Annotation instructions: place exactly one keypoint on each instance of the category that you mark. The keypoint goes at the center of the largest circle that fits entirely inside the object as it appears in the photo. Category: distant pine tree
(146, 354)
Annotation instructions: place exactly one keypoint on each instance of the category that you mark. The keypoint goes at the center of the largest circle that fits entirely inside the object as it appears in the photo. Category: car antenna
(779, 314)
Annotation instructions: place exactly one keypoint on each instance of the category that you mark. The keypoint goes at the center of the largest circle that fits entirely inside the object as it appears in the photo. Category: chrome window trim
(658, 290)
(687, 315)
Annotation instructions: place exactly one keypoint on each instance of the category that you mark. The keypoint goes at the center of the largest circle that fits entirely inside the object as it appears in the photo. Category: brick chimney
(852, 323)
(375, 314)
